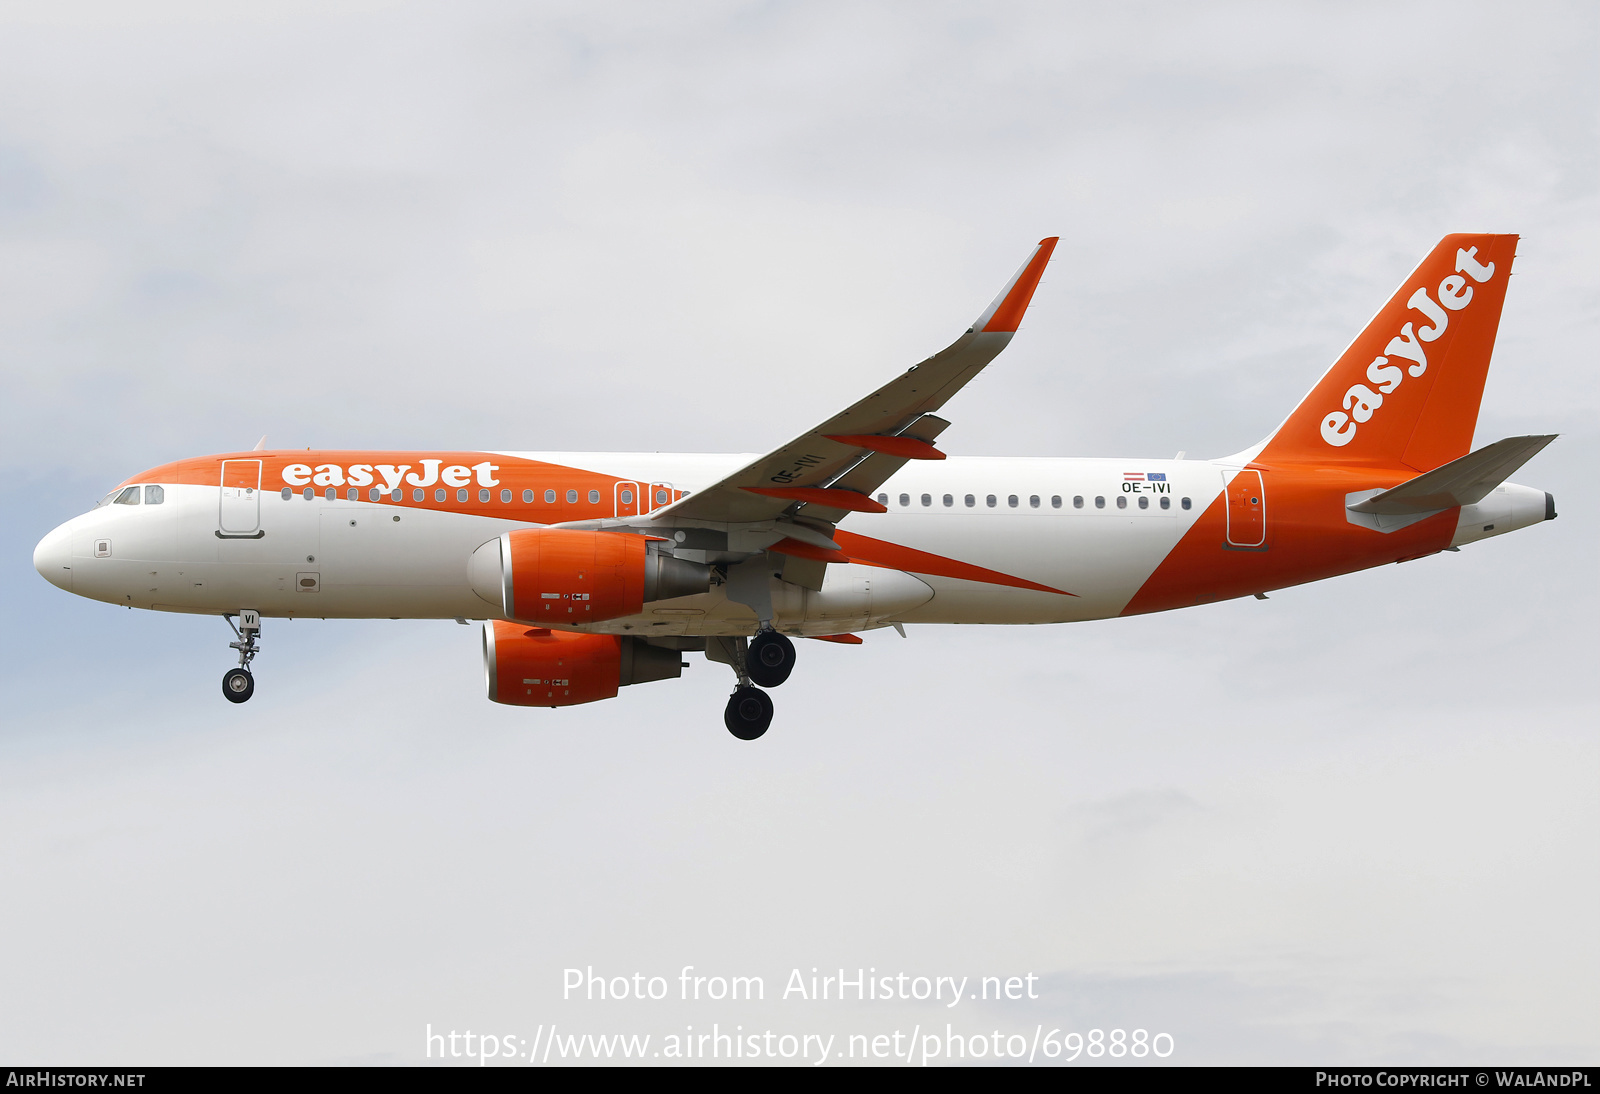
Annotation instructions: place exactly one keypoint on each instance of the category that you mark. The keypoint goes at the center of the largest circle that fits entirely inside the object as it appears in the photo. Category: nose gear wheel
(238, 684)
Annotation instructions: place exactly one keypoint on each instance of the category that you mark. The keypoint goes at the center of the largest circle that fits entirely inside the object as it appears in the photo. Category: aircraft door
(240, 511)
(1247, 510)
(633, 498)
(628, 497)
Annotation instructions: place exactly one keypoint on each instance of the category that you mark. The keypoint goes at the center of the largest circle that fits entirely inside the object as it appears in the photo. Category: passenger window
(505, 497)
(989, 500)
(883, 499)
(627, 497)
(352, 494)
(398, 495)
(418, 495)
(154, 495)
(661, 497)
(1099, 502)
(129, 496)
(374, 494)
(594, 497)
(1184, 503)
(287, 493)
(970, 500)
(927, 499)
(527, 497)
(1011, 500)
(1166, 502)
(1055, 501)
(905, 500)
(439, 495)
(483, 497)
(1122, 501)
(1033, 501)
(308, 493)
(1077, 501)
(949, 501)
(331, 494)
(461, 495)
(549, 497)
(1144, 502)
(572, 497)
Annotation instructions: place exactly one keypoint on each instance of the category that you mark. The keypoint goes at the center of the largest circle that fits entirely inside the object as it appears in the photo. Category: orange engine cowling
(537, 667)
(563, 576)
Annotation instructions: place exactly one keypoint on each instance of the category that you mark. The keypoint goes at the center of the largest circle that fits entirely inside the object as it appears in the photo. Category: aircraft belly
(852, 598)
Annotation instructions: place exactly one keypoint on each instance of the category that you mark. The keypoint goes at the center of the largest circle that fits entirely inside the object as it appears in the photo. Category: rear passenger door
(1247, 510)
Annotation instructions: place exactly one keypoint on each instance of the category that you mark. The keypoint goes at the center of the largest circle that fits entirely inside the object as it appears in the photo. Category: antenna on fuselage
(261, 444)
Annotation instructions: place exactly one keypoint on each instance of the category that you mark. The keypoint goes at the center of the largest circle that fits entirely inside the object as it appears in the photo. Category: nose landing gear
(238, 685)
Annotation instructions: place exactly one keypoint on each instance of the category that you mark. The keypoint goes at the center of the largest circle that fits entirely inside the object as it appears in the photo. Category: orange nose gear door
(1247, 510)
(240, 512)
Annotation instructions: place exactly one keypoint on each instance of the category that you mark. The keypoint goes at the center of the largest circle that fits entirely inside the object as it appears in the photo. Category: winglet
(1005, 314)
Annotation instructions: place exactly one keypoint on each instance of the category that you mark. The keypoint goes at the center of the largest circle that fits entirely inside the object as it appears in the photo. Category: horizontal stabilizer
(1465, 481)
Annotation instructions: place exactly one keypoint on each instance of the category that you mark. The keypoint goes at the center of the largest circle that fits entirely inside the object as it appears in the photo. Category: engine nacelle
(561, 576)
(536, 667)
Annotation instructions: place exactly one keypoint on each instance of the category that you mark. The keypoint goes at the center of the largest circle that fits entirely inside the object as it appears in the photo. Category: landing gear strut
(238, 685)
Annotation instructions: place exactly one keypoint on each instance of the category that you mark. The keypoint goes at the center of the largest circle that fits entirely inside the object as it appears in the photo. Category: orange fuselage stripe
(510, 473)
(892, 556)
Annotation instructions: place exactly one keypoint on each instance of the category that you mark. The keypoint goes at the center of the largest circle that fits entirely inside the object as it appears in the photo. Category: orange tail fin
(1407, 390)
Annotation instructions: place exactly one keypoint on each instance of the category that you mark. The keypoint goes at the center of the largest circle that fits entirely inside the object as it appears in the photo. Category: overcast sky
(1357, 822)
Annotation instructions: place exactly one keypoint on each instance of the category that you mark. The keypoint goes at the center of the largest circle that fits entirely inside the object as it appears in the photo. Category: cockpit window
(130, 496)
(154, 495)
(108, 499)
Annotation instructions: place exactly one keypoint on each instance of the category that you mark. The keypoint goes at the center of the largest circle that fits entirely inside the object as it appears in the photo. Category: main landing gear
(770, 659)
(766, 660)
(749, 712)
(237, 684)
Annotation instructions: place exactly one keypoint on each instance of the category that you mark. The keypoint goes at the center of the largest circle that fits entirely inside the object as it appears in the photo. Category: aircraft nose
(53, 558)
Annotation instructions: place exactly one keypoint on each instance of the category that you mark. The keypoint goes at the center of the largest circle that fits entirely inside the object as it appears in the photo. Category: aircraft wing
(832, 469)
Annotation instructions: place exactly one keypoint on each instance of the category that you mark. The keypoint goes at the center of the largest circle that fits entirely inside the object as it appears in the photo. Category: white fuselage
(1086, 527)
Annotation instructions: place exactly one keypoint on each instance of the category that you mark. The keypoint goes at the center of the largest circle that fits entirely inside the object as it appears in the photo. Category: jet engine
(536, 667)
(561, 576)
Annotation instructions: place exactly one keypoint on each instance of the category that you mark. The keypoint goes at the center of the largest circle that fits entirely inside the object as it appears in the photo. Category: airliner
(595, 571)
